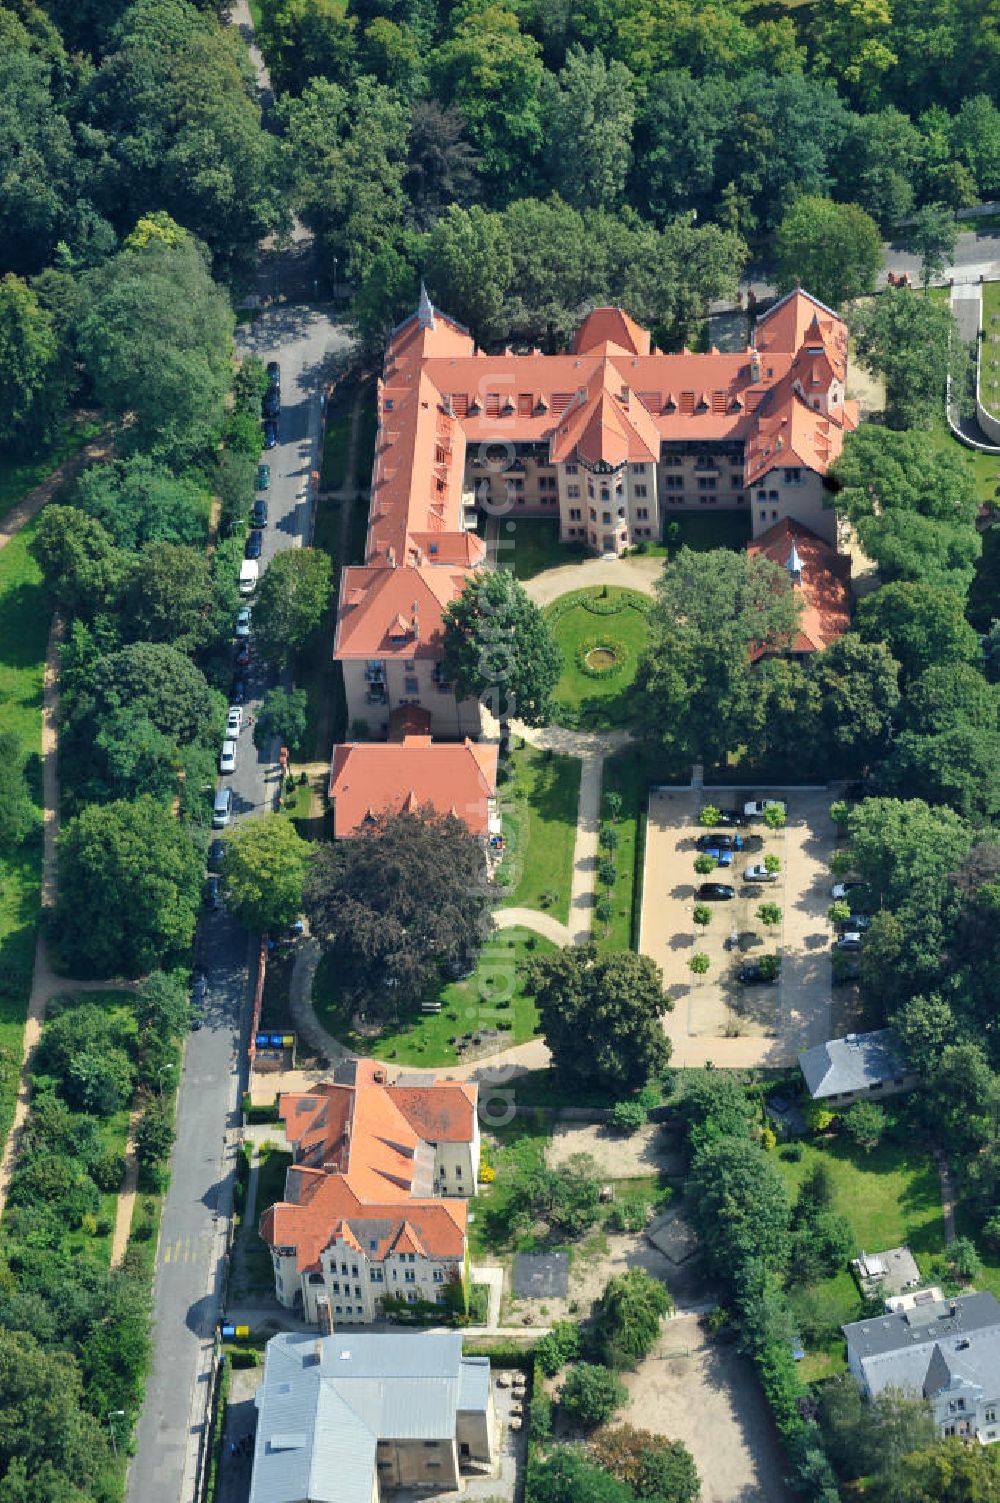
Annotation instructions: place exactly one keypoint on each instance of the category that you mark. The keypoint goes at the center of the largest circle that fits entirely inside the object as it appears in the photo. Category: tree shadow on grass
(24, 627)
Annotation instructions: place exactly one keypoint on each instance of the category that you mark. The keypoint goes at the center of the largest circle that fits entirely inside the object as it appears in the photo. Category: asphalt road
(190, 1256)
(976, 255)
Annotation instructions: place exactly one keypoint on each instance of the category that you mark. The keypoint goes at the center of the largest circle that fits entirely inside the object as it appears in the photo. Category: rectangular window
(357, 1291)
(411, 686)
(438, 1276)
(458, 1171)
(570, 469)
(606, 518)
(642, 512)
(573, 491)
(593, 515)
(409, 1276)
(706, 482)
(335, 1286)
(377, 1276)
(574, 512)
(343, 1268)
(638, 469)
(793, 476)
(639, 490)
(736, 482)
(675, 482)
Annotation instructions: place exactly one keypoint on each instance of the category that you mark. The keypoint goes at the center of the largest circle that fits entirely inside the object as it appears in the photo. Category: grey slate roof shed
(854, 1063)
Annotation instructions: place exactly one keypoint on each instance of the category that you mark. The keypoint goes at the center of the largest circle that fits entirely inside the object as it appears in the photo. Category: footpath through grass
(493, 997)
(891, 1196)
(24, 629)
(540, 803)
(19, 476)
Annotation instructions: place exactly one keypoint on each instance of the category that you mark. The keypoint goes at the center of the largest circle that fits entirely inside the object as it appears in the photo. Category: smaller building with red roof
(820, 577)
(368, 778)
(375, 1199)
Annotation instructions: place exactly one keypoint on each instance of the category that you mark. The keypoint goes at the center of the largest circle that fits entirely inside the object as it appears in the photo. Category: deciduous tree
(590, 1395)
(588, 110)
(922, 625)
(498, 647)
(932, 234)
(914, 343)
(833, 249)
(291, 601)
(627, 1317)
(263, 870)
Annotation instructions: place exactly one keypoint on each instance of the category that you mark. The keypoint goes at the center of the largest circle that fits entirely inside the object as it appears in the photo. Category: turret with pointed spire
(425, 309)
(794, 565)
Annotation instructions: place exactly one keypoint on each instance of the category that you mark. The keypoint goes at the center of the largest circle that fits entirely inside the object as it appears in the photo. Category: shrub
(607, 872)
(604, 910)
(627, 1116)
(709, 816)
(704, 864)
(840, 813)
(964, 1260)
(487, 1174)
(772, 863)
(629, 1214)
(590, 1395)
(613, 804)
(838, 912)
(699, 963)
(818, 1117)
(563, 1344)
(865, 1124)
(609, 837)
(702, 914)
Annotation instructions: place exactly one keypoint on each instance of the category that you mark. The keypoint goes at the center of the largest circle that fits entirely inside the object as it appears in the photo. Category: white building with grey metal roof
(856, 1068)
(344, 1418)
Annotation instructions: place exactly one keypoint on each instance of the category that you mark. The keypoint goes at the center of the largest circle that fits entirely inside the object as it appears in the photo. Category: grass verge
(475, 1003)
(627, 774)
(539, 821)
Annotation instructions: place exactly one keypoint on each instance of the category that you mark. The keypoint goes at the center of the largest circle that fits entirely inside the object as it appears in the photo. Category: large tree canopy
(915, 344)
(498, 647)
(835, 250)
(395, 903)
(692, 686)
(601, 1016)
(737, 1203)
(922, 625)
(291, 601)
(263, 871)
(139, 501)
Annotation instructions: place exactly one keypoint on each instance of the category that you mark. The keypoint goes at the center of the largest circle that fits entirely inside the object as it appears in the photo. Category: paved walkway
(493, 1278)
(20, 515)
(947, 1196)
(530, 918)
(127, 1193)
(637, 573)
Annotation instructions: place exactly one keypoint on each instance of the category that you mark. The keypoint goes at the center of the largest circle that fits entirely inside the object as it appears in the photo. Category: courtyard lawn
(704, 530)
(332, 474)
(530, 545)
(890, 1196)
(539, 805)
(601, 634)
(24, 627)
(628, 774)
(466, 1006)
(367, 434)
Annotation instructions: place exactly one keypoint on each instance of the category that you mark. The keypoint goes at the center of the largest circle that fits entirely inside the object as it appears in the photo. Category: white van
(249, 575)
(222, 808)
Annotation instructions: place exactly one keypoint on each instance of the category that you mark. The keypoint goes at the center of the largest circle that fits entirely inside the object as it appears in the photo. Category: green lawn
(425, 1039)
(597, 703)
(24, 627)
(629, 774)
(367, 433)
(890, 1196)
(539, 806)
(334, 451)
(532, 546)
(253, 1271)
(990, 363)
(18, 477)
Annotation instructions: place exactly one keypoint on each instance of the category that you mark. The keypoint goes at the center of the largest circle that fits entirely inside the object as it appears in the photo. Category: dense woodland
(527, 159)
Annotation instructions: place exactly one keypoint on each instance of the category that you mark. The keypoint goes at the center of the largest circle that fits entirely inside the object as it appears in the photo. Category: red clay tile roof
(450, 777)
(611, 326)
(445, 1115)
(824, 583)
(310, 1227)
(394, 613)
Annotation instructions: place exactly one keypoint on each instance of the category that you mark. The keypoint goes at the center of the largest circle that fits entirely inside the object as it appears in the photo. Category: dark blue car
(255, 543)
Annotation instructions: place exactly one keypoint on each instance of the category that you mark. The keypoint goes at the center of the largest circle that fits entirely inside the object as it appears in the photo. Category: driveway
(703, 1393)
(768, 1025)
(190, 1258)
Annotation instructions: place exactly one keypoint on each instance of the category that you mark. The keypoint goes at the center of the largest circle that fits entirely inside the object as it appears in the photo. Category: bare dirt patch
(617, 1157)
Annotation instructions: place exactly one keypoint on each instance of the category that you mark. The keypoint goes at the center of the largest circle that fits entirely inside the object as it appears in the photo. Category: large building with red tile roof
(611, 439)
(369, 778)
(820, 577)
(375, 1199)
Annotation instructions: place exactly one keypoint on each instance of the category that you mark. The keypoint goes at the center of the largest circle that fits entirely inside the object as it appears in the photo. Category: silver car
(759, 873)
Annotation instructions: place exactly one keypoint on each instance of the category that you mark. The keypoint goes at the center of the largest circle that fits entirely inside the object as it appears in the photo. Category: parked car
(848, 891)
(720, 842)
(756, 808)
(758, 872)
(258, 517)
(274, 374)
(263, 476)
(243, 654)
(720, 854)
(222, 808)
(243, 619)
(858, 922)
(216, 852)
(227, 757)
(199, 985)
(271, 433)
(234, 721)
(731, 817)
(715, 892)
(847, 972)
(238, 691)
(270, 404)
(761, 972)
(213, 893)
(851, 939)
(254, 543)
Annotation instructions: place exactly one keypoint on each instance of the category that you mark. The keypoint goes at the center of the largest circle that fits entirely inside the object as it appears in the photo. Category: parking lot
(716, 1018)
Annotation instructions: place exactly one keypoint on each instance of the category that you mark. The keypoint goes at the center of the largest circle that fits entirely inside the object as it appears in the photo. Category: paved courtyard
(714, 1019)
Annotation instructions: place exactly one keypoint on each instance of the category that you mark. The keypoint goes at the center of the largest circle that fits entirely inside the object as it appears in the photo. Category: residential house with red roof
(375, 1198)
(447, 777)
(611, 439)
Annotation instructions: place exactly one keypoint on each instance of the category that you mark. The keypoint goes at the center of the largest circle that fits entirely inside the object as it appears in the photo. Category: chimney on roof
(625, 395)
(415, 622)
(755, 368)
(425, 309)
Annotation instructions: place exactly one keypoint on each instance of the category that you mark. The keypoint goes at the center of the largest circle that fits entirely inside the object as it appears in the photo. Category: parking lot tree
(600, 1015)
(702, 915)
(36, 379)
(775, 816)
(699, 963)
(470, 267)
(397, 902)
(772, 864)
(913, 342)
(693, 685)
(566, 1476)
(498, 648)
(627, 1317)
(922, 625)
(145, 868)
(291, 601)
(590, 1395)
(263, 871)
(169, 596)
(704, 864)
(769, 914)
(737, 1203)
(140, 501)
(834, 249)
(913, 505)
(155, 335)
(839, 912)
(932, 234)
(83, 569)
(708, 816)
(282, 717)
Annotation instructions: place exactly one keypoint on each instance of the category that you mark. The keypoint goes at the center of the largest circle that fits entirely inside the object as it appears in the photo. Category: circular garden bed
(601, 634)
